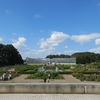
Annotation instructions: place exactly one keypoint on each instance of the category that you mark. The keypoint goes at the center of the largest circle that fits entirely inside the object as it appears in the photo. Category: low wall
(50, 88)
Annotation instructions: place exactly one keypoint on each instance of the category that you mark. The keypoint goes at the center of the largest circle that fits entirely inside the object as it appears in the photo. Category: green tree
(86, 57)
(58, 56)
(9, 55)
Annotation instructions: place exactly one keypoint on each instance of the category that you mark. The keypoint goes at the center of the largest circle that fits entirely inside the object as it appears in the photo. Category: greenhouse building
(51, 61)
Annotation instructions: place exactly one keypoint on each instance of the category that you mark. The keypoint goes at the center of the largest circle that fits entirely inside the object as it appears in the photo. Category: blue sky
(38, 28)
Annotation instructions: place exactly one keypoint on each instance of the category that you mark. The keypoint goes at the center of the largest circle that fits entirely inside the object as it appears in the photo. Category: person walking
(49, 77)
(45, 80)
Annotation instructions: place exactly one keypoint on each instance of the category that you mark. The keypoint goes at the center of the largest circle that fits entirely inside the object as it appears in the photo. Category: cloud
(25, 51)
(66, 47)
(19, 43)
(85, 37)
(22, 47)
(1, 40)
(95, 50)
(48, 45)
(70, 52)
(55, 39)
(97, 41)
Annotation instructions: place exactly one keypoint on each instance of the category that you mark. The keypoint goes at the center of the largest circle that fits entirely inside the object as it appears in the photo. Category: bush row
(83, 77)
(42, 75)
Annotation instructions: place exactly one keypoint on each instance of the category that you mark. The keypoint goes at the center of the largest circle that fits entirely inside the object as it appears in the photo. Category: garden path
(22, 78)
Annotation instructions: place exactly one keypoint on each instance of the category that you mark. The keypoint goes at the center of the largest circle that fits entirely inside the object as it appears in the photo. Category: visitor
(45, 80)
(3, 76)
(9, 76)
(49, 77)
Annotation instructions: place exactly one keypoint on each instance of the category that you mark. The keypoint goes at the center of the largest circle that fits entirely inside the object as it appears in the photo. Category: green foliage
(58, 56)
(27, 69)
(66, 72)
(81, 58)
(38, 75)
(81, 78)
(77, 75)
(78, 70)
(64, 67)
(86, 57)
(2, 70)
(9, 55)
(98, 78)
(91, 72)
(29, 72)
(90, 78)
(42, 75)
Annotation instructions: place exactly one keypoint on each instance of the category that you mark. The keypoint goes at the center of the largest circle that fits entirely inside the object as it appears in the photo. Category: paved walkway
(22, 78)
(49, 97)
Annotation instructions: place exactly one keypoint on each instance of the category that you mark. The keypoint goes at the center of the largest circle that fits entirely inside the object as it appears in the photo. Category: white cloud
(27, 52)
(55, 39)
(95, 50)
(85, 37)
(97, 41)
(70, 52)
(66, 47)
(48, 45)
(19, 43)
(1, 40)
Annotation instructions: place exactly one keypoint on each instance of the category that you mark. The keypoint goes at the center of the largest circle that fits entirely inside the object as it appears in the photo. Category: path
(22, 78)
(70, 78)
(49, 97)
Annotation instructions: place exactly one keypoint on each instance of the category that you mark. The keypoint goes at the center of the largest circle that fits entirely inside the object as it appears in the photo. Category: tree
(86, 57)
(9, 55)
(58, 56)
(81, 57)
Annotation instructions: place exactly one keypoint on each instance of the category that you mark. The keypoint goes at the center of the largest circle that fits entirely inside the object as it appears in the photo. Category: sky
(37, 28)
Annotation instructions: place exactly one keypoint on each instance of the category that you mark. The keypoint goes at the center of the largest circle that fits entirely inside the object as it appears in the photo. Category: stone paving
(49, 97)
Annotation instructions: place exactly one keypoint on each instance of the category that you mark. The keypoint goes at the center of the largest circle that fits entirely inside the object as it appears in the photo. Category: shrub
(90, 78)
(78, 75)
(90, 72)
(98, 78)
(78, 70)
(66, 72)
(25, 69)
(29, 72)
(2, 70)
(82, 78)
(42, 75)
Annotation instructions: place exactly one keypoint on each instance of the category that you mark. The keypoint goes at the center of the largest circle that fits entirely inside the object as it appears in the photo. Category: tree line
(81, 57)
(9, 55)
